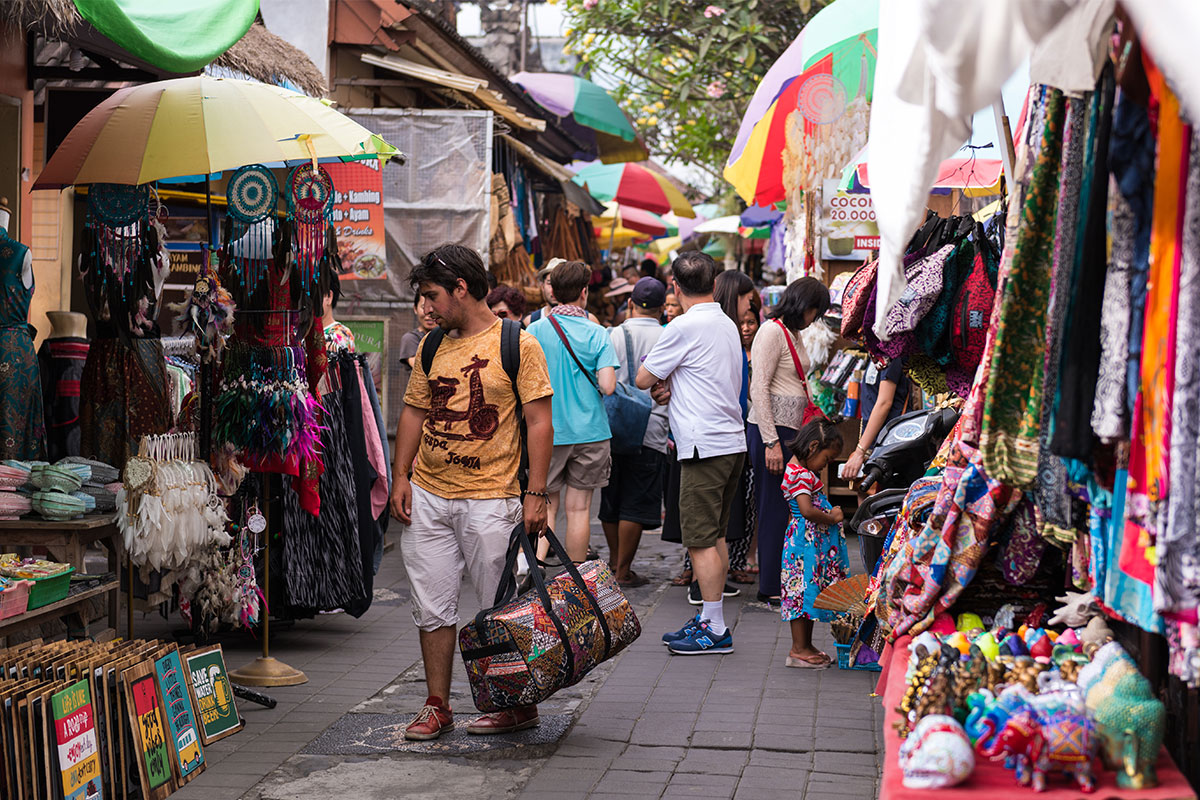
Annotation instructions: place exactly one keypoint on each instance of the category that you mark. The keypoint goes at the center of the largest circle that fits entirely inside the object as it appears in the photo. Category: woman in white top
(777, 403)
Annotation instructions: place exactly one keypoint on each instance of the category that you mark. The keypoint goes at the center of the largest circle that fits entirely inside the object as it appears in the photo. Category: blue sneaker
(701, 641)
(686, 630)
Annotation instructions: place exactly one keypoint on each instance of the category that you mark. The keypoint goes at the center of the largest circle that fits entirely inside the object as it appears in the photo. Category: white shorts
(447, 535)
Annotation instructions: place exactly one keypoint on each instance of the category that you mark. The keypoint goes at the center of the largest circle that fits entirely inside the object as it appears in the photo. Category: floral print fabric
(814, 556)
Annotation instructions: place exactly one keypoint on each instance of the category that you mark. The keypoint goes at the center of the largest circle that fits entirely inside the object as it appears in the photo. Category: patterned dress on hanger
(22, 424)
(814, 556)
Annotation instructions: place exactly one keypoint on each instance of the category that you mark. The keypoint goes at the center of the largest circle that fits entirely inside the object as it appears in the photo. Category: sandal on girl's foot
(682, 579)
(818, 661)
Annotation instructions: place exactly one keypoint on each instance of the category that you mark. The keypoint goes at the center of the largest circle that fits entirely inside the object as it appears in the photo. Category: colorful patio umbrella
(829, 63)
(637, 219)
(976, 177)
(610, 235)
(201, 125)
(633, 185)
(596, 116)
(729, 224)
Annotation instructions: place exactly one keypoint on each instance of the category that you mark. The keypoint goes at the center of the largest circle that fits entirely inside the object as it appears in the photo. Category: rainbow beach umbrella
(831, 62)
(588, 112)
(637, 219)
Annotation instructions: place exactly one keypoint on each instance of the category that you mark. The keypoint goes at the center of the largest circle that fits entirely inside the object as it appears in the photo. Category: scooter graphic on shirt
(482, 417)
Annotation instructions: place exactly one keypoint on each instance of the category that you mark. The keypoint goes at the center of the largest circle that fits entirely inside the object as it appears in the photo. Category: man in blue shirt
(581, 362)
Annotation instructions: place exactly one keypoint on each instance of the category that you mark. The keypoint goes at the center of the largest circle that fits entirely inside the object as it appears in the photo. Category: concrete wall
(304, 23)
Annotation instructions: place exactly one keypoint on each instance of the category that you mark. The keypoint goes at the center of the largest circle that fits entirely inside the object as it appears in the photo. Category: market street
(644, 725)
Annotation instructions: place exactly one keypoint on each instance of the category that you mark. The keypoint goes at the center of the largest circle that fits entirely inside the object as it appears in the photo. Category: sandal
(819, 661)
(633, 581)
(742, 576)
(682, 579)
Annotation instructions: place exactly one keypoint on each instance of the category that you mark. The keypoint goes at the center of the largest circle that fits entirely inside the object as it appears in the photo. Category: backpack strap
(429, 348)
(510, 359)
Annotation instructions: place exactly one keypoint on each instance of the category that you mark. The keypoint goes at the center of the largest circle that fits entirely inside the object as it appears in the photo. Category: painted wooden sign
(149, 732)
(181, 720)
(212, 694)
(78, 751)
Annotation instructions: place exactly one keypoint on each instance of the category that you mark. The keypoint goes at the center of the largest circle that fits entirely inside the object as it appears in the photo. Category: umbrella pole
(612, 232)
(206, 357)
(1007, 152)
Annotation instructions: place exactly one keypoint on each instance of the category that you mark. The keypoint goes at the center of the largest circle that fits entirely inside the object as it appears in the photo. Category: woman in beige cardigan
(777, 403)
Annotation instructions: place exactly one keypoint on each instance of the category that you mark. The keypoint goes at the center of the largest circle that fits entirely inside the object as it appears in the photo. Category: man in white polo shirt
(699, 356)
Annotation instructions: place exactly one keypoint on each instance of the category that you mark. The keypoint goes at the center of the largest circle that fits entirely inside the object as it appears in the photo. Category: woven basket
(50, 477)
(58, 506)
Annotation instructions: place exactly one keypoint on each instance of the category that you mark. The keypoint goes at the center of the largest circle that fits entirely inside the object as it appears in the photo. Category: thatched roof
(259, 54)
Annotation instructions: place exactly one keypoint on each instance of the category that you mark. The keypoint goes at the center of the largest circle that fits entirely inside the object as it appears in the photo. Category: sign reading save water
(213, 694)
(75, 734)
(357, 216)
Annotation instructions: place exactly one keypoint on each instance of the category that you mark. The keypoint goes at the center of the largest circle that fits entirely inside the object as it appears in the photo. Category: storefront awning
(574, 193)
(474, 87)
(179, 36)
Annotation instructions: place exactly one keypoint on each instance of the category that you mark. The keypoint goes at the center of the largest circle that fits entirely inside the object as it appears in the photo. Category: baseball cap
(649, 293)
(546, 270)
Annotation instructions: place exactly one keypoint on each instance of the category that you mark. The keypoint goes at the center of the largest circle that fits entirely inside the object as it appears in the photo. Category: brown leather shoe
(430, 723)
(507, 721)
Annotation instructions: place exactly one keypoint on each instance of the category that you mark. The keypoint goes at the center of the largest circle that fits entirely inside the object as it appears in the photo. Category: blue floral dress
(814, 556)
(22, 423)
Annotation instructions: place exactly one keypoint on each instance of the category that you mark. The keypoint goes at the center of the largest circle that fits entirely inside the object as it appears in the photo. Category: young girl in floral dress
(814, 551)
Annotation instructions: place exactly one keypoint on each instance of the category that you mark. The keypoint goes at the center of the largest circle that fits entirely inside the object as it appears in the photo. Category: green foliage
(688, 67)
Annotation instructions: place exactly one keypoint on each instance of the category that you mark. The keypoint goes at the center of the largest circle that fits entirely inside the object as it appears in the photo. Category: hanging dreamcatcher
(250, 223)
(117, 226)
(309, 199)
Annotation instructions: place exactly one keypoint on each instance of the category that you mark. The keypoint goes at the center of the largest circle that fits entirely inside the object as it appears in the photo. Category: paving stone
(859, 764)
(702, 761)
(740, 740)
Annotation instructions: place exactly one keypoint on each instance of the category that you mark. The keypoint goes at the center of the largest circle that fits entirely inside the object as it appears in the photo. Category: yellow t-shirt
(471, 442)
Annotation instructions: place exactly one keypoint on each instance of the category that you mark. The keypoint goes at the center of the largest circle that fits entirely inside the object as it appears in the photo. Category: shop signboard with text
(357, 216)
(848, 229)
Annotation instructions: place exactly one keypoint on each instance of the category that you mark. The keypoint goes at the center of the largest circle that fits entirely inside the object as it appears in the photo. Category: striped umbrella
(638, 220)
(589, 113)
(632, 184)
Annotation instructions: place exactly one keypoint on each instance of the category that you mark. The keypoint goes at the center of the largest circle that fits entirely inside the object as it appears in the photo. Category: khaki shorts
(580, 466)
(707, 488)
(447, 536)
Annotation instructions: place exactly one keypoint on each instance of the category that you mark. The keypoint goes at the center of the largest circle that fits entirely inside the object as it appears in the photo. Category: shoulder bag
(527, 647)
(811, 410)
(628, 409)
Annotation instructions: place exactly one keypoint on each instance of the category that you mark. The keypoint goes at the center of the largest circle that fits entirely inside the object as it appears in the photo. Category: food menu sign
(212, 694)
(75, 735)
(185, 740)
(357, 216)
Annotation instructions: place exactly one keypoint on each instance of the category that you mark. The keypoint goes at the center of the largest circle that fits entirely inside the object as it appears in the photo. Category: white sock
(714, 613)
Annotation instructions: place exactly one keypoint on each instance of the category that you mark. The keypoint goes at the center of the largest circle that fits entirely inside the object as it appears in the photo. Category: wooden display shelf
(72, 603)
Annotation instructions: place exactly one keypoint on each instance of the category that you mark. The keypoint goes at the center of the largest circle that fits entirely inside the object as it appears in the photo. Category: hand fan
(848, 596)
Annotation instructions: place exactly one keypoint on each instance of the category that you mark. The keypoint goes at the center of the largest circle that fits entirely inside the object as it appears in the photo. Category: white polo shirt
(701, 353)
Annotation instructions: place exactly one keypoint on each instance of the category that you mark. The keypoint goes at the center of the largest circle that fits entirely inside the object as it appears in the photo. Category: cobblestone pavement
(644, 725)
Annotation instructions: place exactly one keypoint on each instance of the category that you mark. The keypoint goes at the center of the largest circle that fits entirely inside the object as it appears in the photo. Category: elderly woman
(777, 403)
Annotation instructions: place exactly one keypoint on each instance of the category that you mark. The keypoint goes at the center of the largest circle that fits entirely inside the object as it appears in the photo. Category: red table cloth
(990, 778)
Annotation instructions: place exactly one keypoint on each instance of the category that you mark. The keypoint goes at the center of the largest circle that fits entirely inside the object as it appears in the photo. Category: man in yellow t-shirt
(460, 424)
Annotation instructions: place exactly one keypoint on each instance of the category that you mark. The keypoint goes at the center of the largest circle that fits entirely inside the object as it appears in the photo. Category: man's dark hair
(649, 268)
(446, 265)
(729, 286)
(335, 288)
(798, 298)
(569, 279)
(694, 273)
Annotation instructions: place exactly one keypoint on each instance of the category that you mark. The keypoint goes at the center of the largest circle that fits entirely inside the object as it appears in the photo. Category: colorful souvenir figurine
(1013, 645)
(936, 754)
(1129, 720)
(1068, 637)
(969, 622)
(990, 713)
(958, 640)
(987, 645)
(1063, 743)
(1042, 649)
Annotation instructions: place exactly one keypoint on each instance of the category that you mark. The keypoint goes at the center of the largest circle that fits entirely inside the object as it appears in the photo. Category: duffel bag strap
(518, 541)
(573, 571)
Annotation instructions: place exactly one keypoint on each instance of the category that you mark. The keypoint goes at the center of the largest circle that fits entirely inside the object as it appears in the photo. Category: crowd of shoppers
(725, 444)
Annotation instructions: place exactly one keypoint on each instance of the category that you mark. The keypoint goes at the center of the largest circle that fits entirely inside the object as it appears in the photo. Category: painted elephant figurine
(988, 716)
(1063, 743)
(1130, 721)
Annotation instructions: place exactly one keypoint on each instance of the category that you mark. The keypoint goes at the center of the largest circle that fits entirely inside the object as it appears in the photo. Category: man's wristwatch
(769, 445)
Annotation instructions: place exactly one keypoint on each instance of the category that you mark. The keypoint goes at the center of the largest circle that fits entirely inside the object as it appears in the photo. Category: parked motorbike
(905, 447)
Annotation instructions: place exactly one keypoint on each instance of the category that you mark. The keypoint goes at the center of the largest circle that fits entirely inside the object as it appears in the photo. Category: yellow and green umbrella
(202, 125)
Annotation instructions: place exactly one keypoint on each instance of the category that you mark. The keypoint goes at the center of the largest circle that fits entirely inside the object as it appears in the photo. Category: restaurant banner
(357, 216)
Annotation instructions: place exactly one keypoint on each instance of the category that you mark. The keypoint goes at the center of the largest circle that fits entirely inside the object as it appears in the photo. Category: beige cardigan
(776, 393)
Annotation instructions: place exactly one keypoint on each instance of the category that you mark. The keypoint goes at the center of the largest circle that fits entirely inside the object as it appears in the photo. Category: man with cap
(632, 500)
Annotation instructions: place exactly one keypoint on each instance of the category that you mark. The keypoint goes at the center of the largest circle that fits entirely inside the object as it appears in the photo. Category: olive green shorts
(707, 489)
